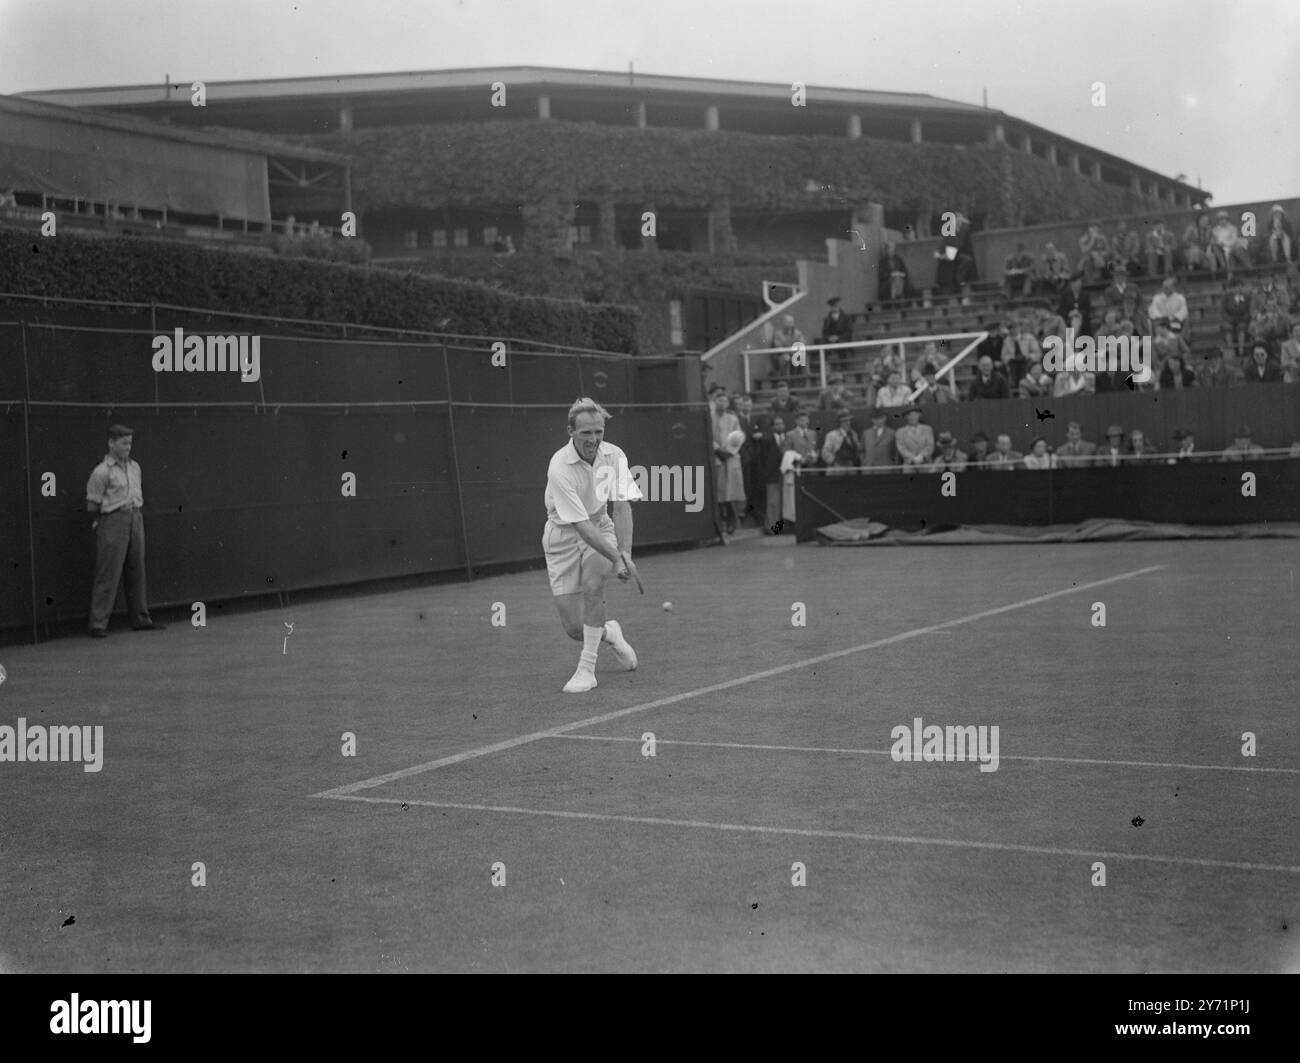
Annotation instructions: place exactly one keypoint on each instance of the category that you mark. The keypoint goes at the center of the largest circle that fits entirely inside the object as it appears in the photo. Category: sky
(1209, 89)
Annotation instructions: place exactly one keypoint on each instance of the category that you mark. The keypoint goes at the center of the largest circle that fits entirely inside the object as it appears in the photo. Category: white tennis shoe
(584, 679)
(622, 649)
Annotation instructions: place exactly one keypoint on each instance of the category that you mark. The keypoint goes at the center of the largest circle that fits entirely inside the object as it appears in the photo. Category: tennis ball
(668, 607)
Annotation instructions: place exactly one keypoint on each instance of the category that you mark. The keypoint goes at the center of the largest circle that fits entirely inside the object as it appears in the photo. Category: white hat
(735, 441)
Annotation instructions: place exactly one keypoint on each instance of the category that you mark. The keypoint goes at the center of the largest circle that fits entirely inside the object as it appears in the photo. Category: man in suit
(842, 450)
(1002, 457)
(878, 441)
(803, 441)
(744, 410)
(769, 448)
(1242, 449)
(783, 404)
(1075, 451)
(1112, 451)
(914, 440)
(948, 458)
(1075, 298)
(837, 328)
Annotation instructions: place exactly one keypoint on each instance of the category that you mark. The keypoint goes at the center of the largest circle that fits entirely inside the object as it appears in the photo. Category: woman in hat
(1038, 456)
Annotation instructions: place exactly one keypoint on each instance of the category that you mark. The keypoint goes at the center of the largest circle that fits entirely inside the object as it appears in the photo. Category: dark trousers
(119, 551)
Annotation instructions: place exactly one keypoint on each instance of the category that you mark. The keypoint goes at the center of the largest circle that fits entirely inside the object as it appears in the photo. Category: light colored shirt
(1169, 307)
(115, 485)
(915, 442)
(892, 395)
(576, 491)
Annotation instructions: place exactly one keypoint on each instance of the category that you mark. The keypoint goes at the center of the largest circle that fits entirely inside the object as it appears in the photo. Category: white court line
(522, 740)
(802, 832)
(886, 752)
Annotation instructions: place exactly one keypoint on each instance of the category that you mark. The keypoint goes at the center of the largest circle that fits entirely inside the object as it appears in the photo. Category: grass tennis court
(1120, 744)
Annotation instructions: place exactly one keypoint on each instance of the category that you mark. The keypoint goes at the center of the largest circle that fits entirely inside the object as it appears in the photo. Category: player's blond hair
(586, 405)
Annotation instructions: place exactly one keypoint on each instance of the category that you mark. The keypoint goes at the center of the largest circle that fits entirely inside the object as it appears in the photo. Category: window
(410, 239)
(461, 237)
(439, 237)
(489, 235)
(579, 234)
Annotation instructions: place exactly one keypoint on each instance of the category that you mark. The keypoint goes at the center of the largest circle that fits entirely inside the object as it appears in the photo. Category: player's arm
(623, 527)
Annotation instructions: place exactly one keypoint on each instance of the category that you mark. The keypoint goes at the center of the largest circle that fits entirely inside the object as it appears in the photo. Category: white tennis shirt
(576, 491)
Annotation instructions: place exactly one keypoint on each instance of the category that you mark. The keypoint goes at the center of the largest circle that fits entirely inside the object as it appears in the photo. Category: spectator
(510, 245)
(1242, 449)
(929, 356)
(115, 498)
(1280, 236)
(1021, 350)
(1053, 270)
(1186, 448)
(1227, 246)
(803, 441)
(993, 344)
(979, 449)
(1218, 372)
(1176, 374)
(1018, 273)
(895, 269)
(1075, 451)
(1094, 251)
(1038, 457)
(1139, 450)
(838, 327)
(892, 360)
(1160, 244)
(1112, 451)
(914, 440)
(1270, 326)
(770, 447)
(729, 478)
(1075, 298)
(1289, 362)
(1126, 249)
(947, 457)
(988, 384)
(1073, 381)
(842, 451)
(743, 407)
(878, 442)
(1197, 238)
(935, 394)
(1169, 305)
(836, 394)
(1262, 369)
(895, 393)
(1002, 457)
(785, 337)
(1123, 295)
(1165, 346)
(783, 403)
(1036, 383)
(499, 244)
(1276, 288)
(1235, 314)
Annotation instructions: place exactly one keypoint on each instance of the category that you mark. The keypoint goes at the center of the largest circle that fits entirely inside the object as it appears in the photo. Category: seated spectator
(894, 268)
(1036, 383)
(1289, 362)
(1197, 238)
(988, 384)
(785, 337)
(1053, 270)
(836, 394)
(979, 449)
(878, 442)
(892, 360)
(1123, 295)
(1235, 314)
(1242, 449)
(895, 393)
(1020, 350)
(1139, 450)
(929, 356)
(1002, 457)
(1275, 288)
(1094, 254)
(1160, 244)
(947, 457)
(837, 327)
(1075, 451)
(935, 394)
(1262, 369)
(1219, 371)
(1280, 237)
(842, 451)
(1038, 457)
(1073, 381)
(1227, 247)
(1269, 325)
(1112, 451)
(802, 439)
(1125, 249)
(993, 343)
(1075, 298)
(1186, 445)
(914, 440)
(1051, 323)
(1166, 345)
(1176, 374)
(1018, 273)
(1169, 305)
(783, 402)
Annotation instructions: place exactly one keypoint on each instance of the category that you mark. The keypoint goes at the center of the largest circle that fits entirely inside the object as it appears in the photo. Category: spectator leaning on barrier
(1243, 448)
(1112, 451)
(1038, 456)
(878, 442)
(1280, 236)
(842, 451)
(1262, 369)
(1075, 451)
(988, 384)
(914, 440)
(947, 458)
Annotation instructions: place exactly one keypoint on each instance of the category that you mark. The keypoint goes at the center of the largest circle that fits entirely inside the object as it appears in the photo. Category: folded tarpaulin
(866, 532)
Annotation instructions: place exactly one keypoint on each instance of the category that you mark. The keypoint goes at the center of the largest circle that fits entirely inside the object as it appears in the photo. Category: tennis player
(582, 545)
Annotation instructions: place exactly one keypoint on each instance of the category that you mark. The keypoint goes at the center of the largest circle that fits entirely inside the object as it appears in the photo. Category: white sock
(604, 634)
(591, 637)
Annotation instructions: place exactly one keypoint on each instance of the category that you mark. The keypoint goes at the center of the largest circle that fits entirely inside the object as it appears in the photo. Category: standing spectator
(1038, 457)
(1262, 369)
(988, 384)
(1094, 252)
(979, 450)
(1289, 362)
(1125, 250)
(803, 441)
(1242, 449)
(770, 447)
(1160, 245)
(1280, 236)
(1139, 450)
(1075, 298)
(948, 458)
(1169, 305)
(914, 440)
(878, 442)
(785, 337)
(1176, 374)
(894, 269)
(729, 478)
(115, 496)
(1018, 273)
(1112, 451)
(1236, 314)
(842, 451)
(836, 394)
(838, 327)
(1196, 243)
(783, 403)
(1053, 270)
(1227, 246)
(743, 406)
(895, 393)
(1002, 457)
(1075, 451)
